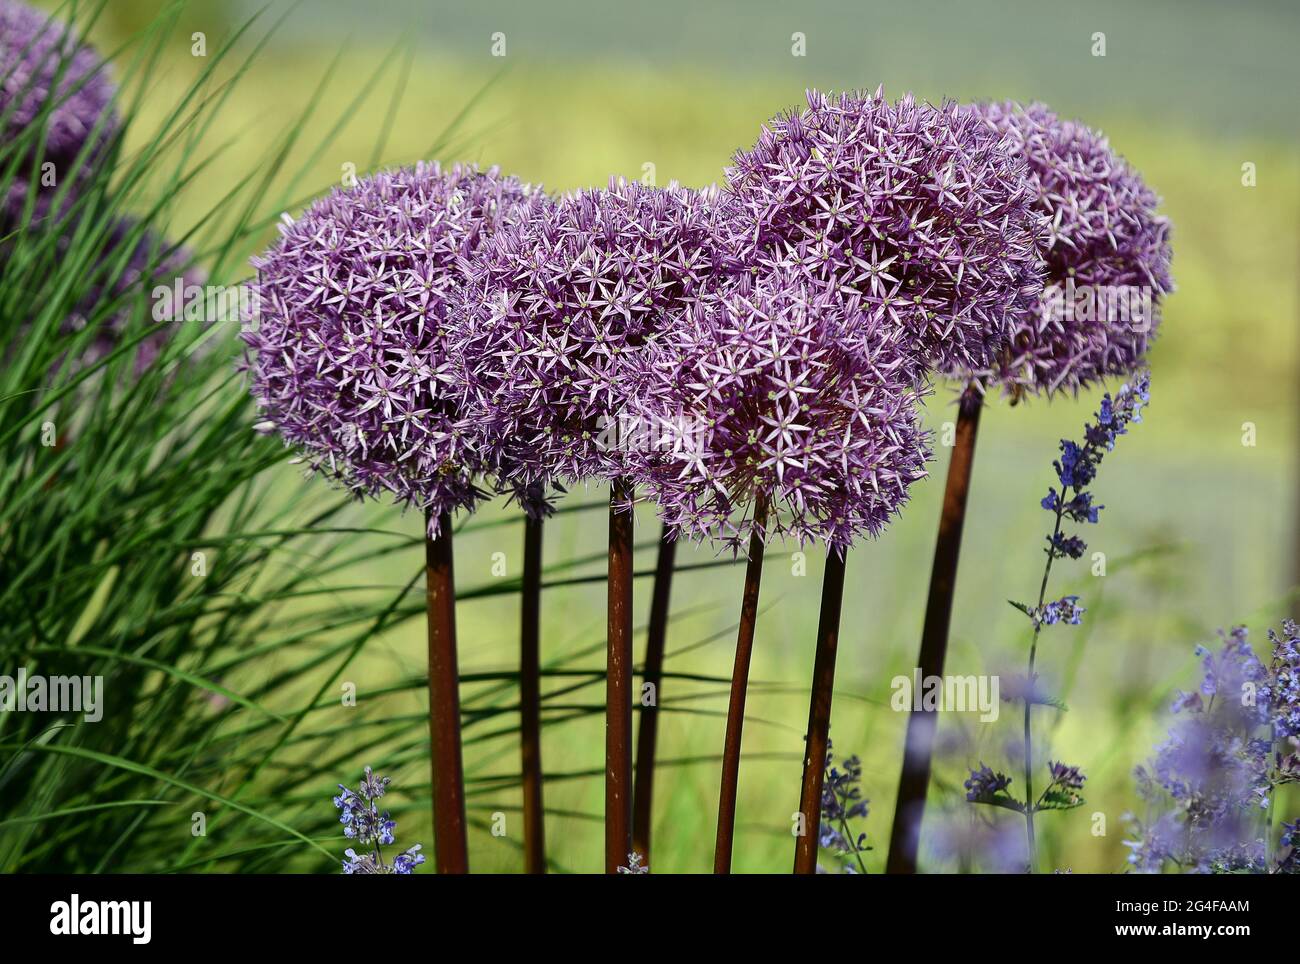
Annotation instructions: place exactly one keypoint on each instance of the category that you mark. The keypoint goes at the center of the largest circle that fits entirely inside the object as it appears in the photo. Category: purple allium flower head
(780, 392)
(47, 74)
(560, 311)
(350, 360)
(922, 215)
(1107, 263)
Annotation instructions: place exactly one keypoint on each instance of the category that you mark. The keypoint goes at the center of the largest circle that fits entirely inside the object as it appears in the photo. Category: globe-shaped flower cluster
(781, 393)
(429, 331)
(1107, 262)
(560, 309)
(349, 361)
(44, 68)
(918, 215)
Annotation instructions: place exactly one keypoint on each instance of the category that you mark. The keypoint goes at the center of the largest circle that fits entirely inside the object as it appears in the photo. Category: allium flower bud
(559, 313)
(350, 359)
(1107, 263)
(780, 393)
(44, 67)
(922, 216)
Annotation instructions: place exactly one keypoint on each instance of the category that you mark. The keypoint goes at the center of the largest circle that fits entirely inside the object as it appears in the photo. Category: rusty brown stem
(530, 700)
(819, 713)
(652, 675)
(739, 688)
(905, 835)
(618, 682)
(449, 835)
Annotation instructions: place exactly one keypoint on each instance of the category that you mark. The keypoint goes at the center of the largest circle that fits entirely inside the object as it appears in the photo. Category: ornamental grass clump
(789, 417)
(1106, 273)
(561, 308)
(132, 261)
(350, 365)
(60, 133)
(56, 99)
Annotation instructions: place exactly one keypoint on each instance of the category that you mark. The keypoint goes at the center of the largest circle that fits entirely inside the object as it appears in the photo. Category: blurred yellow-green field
(1200, 529)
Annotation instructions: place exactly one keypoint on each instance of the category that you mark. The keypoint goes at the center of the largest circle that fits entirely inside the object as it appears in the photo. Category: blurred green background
(1200, 529)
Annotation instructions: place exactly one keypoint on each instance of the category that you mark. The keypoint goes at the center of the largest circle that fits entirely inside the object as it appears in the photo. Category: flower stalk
(1030, 805)
(739, 687)
(530, 709)
(914, 781)
(449, 834)
(652, 675)
(618, 681)
(819, 712)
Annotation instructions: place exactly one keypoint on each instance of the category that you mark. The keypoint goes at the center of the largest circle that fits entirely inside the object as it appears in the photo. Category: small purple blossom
(1078, 463)
(983, 784)
(1063, 546)
(1290, 842)
(1283, 691)
(1064, 777)
(351, 361)
(363, 822)
(634, 865)
(922, 217)
(558, 316)
(48, 76)
(842, 803)
(776, 392)
(408, 860)
(1107, 259)
(1064, 610)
